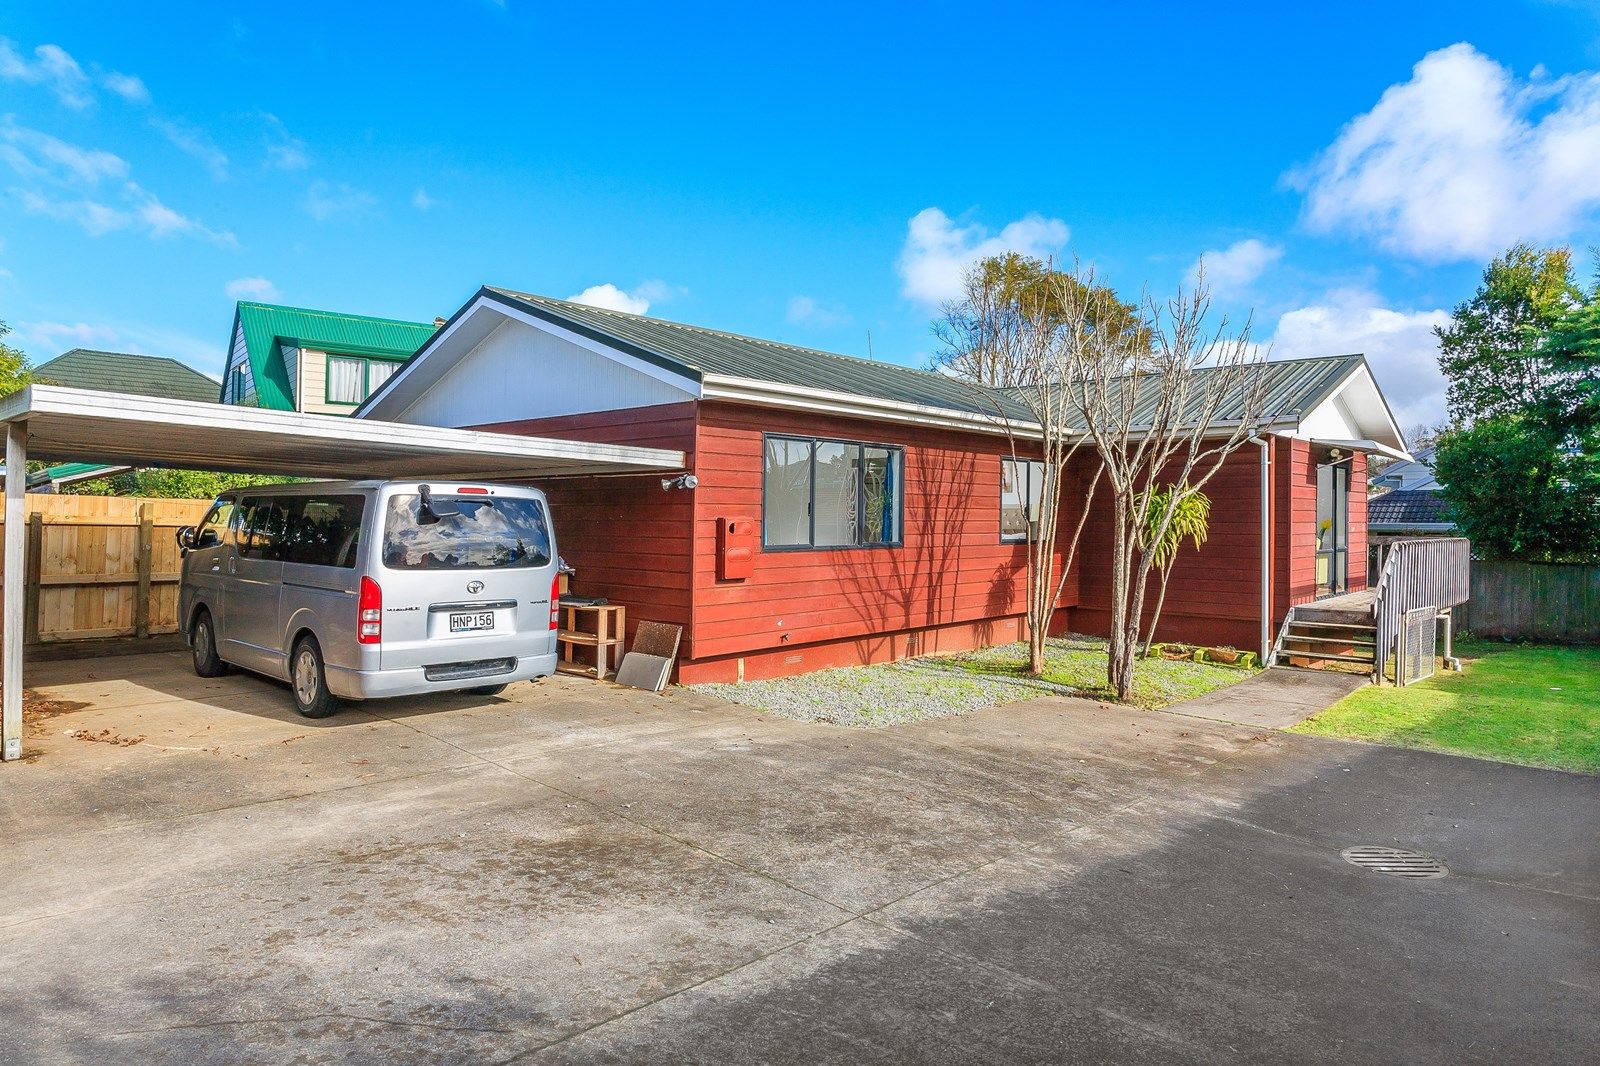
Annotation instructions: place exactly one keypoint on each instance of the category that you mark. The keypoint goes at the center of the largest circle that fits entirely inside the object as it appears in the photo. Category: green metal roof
(1293, 386)
(268, 327)
(144, 375)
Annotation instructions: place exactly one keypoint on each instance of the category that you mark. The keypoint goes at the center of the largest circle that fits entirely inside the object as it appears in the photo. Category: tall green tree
(1522, 488)
(14, 369)
(1010, 295)
(1492, 350)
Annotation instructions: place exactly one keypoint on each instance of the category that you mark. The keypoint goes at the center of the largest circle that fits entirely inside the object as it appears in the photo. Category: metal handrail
(1420, 572)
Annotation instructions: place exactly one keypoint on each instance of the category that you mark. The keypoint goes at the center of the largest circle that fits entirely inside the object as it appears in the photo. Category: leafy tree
(1491, 351)
(1522, 488)
(1011, 296)
(1572, 354)
(170, 484)
(15, 372)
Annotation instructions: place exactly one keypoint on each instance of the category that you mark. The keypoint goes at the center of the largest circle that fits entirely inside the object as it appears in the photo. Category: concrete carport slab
(576, 872)
(51, 422)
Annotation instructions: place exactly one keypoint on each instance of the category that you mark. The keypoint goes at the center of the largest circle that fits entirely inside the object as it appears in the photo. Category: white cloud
(45, 340)
(611, 298)
(1233, 269)
(422, 201)
(284, 150)
(126, 86)
(33, 154)
(805, 311)
(50, 67)
(65, 181)
(64, 335)
(251, 289)
(194, 143)
(1462, 161)
(326, 199)
(938, 251)
(1399, 345)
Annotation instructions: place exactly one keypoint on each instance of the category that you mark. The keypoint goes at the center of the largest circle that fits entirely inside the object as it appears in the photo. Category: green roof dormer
(258, 371)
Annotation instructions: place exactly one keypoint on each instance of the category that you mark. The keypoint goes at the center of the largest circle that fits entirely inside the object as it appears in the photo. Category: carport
(62, 424)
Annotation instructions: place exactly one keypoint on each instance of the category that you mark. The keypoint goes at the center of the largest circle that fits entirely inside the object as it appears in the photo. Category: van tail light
(555, 602)
(369, 613)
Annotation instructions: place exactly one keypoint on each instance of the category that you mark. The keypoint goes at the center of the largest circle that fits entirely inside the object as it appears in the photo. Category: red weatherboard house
(848, 511)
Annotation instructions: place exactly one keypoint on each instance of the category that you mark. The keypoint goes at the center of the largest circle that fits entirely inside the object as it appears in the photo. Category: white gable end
(520, 371)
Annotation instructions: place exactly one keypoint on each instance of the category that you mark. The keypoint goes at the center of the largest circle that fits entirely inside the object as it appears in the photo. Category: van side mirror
(185, 539)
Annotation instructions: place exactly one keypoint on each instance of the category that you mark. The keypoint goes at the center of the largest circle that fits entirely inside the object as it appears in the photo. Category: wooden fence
(1533, 601)
(102, 566)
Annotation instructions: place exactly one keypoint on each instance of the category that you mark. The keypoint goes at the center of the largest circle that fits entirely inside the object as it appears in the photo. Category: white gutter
(1266, 545)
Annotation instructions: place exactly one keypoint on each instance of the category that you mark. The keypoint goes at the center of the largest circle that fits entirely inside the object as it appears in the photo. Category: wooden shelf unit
(604, 635)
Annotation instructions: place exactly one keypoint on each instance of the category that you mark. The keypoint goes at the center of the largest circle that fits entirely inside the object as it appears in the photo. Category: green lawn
(938, 685)
(1536, 704)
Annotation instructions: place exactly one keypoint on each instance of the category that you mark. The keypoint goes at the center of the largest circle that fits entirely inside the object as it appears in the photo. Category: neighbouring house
(848, 511)
(141, 375)
(1406, 501)
(320, 362)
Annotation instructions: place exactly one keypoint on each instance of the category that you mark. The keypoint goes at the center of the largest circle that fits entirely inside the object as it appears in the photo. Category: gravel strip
(936, 686)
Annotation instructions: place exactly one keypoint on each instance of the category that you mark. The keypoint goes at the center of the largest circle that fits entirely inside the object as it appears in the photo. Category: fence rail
(1423, 572)
(102, 566)
(1534, 601)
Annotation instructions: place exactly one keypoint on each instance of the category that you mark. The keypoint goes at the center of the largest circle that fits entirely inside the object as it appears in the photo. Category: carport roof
(104, 427)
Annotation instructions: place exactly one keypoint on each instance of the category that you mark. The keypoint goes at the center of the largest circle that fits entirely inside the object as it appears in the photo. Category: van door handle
(232, 565)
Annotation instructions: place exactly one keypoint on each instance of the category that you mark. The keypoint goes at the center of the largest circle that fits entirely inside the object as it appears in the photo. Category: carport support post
(11, 635)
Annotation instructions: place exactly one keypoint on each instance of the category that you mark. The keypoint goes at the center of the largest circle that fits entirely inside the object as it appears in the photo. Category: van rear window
(494, 533)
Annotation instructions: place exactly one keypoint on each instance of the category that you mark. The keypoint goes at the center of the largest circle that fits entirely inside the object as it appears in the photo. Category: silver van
(359, 589)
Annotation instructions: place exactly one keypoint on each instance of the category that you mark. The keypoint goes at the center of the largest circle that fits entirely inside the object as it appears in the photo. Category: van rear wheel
(487, 690)
(203, 643)
(309, 680)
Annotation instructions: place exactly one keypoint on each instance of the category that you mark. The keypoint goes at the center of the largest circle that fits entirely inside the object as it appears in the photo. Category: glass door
(1333, 528)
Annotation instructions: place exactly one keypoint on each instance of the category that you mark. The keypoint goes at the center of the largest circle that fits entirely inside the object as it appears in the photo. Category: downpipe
(1266, 544)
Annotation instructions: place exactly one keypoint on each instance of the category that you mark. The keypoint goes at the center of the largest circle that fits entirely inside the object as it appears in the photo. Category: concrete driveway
(583, 873)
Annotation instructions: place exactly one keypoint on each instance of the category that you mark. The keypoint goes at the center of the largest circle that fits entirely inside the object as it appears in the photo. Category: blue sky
(812, 173)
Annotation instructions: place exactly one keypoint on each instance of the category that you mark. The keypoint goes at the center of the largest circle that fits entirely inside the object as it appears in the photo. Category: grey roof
(143, 375)
(695, 351)
(1407, 507)
(1294, 386)
(1415, 474)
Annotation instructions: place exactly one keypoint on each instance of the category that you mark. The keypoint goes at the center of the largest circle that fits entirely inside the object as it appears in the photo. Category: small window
(352, 378)
(831, 494)
(1021, 499)
(322, 530)
(347, 379)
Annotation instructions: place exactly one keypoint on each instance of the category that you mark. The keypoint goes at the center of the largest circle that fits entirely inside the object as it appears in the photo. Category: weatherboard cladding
(1292, 387)
(267, 328)
(142, 375)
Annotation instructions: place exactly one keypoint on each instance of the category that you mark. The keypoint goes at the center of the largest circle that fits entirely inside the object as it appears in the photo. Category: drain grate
(1396, 862)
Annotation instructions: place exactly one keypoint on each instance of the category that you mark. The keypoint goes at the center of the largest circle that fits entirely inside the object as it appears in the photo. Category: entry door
(255, 581)
(1333, 528)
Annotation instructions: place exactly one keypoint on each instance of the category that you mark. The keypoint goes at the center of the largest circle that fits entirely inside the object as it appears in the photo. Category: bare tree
(1171, 411)
(1014, 337)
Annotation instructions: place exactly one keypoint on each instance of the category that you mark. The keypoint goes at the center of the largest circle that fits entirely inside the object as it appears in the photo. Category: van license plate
(466, 623)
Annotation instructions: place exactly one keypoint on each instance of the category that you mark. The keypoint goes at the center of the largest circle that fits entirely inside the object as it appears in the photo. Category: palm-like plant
(1191, 520)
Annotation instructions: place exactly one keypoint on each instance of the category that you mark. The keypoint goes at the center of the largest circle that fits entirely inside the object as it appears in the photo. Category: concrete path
(581, 873)
(1273, 699)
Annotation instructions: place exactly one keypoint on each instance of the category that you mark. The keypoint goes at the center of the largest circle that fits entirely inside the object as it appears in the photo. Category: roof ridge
(345, 315)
